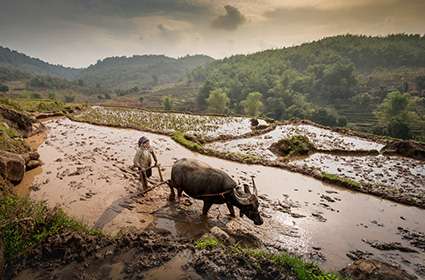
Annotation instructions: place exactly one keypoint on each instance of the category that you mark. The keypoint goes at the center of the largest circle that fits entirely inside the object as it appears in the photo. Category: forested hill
(18, 61)
(342, 77)
(114, 72)
(141, 71)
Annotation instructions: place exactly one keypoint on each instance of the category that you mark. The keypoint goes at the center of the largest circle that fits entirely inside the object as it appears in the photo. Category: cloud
(231, 20)
(377, 16)
(170, 35)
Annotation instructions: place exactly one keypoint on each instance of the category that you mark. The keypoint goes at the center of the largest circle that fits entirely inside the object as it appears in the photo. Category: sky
(77, 33)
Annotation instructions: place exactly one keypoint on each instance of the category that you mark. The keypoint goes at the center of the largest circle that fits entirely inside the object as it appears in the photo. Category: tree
(167, 103)
(69, 98)
(252, 104)
(398, 127)
(324, 116)
(4, 88)
(362, 101)
(397, 114)
(420, 83)
(218, 101)
(141, 99)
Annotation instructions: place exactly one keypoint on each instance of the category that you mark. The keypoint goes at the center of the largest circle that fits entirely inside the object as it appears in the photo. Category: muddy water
(87, 172)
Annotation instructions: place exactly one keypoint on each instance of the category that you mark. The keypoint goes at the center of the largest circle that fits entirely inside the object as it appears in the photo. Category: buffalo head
(249, 204)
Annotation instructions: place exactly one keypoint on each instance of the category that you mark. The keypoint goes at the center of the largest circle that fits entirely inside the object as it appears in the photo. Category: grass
(180, 138)
(39, 105)
(341, 180)
(25, 223)
(301, 269)
(10, 141)
(207, 243)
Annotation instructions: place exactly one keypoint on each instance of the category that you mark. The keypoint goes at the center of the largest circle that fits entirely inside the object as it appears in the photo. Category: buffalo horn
(254, 186)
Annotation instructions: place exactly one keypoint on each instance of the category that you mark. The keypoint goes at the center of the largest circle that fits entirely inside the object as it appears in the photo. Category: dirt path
(87, 172)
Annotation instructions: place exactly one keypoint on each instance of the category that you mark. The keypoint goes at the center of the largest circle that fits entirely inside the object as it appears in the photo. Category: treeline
(312, 80)
(16, 60)
(143, 72)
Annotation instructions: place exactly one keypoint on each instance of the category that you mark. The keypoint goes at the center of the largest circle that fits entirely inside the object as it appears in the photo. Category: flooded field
(323, 139)
(87, 171)
(404, 174)
(204, 127)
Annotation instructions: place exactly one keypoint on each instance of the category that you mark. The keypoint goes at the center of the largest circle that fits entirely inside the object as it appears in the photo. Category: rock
(33, 164)
(390, 246)
(374, 270)
(12, 166)
(254, 122)
(221, 235)
(21, 122)
(404, 148)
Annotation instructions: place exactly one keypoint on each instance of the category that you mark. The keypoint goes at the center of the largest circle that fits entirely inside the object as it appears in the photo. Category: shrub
(296, 145)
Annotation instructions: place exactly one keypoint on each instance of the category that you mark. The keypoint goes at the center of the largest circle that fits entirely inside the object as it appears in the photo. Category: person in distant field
(143, 160)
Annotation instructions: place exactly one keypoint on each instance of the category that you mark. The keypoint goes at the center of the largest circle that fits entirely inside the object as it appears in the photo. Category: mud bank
(87, 172)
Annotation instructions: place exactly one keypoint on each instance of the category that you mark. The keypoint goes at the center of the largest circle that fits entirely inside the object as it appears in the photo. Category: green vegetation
(180, 138)
(301, 269)
(167, 103)
(207, 243)
(397, 114)
(4, 88)
(144, 72)
(346, 182)
(24, 223)
(322, 80)
(19, 63)
(218, 101)
(39, 105)
(252, 105)
(9, 141)
(297, 145)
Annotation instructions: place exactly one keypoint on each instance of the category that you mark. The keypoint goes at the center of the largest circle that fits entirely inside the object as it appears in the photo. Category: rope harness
(216, 194)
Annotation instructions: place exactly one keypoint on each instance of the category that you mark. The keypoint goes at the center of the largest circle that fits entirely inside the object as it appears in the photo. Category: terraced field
(202, 127)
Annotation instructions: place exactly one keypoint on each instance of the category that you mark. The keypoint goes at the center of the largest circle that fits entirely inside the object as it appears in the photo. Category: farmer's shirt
(143, 157)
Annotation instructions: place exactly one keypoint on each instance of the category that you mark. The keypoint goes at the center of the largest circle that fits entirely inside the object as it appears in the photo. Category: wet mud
(87, 171)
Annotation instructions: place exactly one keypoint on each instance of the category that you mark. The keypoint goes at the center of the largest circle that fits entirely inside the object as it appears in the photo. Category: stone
(12, 166)
(374, 270)
(33, 164)
(221, 235)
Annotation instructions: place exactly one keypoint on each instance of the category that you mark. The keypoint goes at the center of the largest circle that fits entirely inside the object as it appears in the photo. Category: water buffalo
(213, 186)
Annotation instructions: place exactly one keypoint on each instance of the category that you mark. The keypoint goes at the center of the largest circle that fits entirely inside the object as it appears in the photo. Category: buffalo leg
(179, 194)
(206, 208)
(172, 196)
(231, 210)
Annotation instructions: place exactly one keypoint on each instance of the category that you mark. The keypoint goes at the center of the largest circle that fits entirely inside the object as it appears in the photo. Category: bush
(296, 145)
(4, 88)
(398, 128)
(324, 116)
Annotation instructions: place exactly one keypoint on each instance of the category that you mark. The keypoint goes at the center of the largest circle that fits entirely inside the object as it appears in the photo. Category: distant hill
(18, 61)
(114, 72)
(141, 71)
(332, 81)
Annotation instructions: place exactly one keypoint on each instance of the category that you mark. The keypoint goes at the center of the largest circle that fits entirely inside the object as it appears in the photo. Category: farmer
(143, 160)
